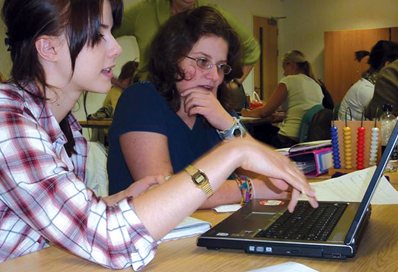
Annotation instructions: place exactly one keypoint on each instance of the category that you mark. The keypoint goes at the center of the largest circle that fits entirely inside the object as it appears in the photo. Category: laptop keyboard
(306, 223)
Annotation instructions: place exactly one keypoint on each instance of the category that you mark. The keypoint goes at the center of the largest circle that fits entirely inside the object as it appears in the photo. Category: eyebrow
(209, 57)
(104, 26)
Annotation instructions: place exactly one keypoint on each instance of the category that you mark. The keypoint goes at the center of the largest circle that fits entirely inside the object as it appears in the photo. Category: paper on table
(285, 267)
(227, 208)
(352, 187)
(190, 226)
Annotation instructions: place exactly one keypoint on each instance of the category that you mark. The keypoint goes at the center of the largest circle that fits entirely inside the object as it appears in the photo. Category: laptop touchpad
(260, 219)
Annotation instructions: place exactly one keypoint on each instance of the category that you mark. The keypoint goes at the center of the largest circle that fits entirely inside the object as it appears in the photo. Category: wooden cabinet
(341, 70)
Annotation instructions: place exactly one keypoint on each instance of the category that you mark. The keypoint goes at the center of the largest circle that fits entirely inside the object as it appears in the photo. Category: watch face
(237, 132)
(198, 177)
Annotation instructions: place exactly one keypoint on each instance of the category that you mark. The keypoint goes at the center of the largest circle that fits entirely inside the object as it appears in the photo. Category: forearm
(166, 205)
(229, 193)
(163, 207)
(261, 112)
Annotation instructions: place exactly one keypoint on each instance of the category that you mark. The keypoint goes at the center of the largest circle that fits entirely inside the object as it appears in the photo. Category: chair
(97, 175)
(236, 96)
(336, 111)
(306, 122)
(320, 125)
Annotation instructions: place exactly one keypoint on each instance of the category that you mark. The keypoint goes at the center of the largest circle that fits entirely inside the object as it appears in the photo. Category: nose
(115, 49)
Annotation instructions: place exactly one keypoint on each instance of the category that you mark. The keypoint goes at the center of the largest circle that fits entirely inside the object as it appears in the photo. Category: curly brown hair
(175, 40)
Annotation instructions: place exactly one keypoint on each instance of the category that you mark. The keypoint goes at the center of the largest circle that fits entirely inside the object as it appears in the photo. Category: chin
(102, 89)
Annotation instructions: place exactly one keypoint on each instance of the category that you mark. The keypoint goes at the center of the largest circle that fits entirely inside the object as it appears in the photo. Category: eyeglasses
(205, 64)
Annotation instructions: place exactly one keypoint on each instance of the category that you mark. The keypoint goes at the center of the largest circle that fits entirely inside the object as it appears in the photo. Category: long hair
(383, 51)
(297, 57)
(175, 40)
(27, 20)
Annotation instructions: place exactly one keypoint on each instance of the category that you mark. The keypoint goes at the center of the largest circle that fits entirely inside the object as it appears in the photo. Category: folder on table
(313, 162)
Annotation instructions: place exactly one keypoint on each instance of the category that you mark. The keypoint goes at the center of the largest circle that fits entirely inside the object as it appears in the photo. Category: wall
(307, 20)
(268, 8)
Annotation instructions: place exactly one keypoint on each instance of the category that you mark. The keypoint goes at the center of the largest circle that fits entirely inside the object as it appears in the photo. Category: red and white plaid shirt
(43, 197)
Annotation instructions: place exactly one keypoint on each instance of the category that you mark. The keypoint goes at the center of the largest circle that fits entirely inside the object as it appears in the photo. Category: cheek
(221, 79)
(190, 72)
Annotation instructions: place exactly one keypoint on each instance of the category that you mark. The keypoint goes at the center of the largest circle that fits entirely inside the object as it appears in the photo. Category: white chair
(97, 175)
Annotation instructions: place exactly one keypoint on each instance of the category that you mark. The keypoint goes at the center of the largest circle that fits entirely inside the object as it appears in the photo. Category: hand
(135, 189)
(250, 113)
(204, 102)
(142, 185)
(263, 188)
(279, 169)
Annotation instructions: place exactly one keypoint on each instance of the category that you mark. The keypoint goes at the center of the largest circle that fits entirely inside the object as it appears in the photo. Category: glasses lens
(204, 63)
(225, 68)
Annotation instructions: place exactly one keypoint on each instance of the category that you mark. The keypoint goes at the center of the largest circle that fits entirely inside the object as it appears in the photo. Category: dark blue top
(142, 108)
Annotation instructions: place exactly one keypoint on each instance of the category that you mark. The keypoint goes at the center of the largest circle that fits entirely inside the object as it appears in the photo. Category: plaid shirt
(43, 198)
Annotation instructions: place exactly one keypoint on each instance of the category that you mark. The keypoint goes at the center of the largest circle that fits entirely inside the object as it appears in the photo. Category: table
(378, 252)
(103, 123)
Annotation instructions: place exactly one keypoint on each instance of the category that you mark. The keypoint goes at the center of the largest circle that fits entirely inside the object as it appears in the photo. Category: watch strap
(236, 130)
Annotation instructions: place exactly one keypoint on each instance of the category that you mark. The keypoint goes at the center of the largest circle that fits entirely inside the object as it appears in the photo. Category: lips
(207, 87)
(107, 72)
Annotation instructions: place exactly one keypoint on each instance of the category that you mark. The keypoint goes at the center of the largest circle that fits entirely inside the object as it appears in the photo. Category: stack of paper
(351, 187)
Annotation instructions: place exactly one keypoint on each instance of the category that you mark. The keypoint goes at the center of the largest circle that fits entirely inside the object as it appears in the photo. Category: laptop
(266, 227)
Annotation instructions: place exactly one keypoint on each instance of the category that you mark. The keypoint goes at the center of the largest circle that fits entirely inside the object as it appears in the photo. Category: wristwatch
(200, 179)
(237, 130)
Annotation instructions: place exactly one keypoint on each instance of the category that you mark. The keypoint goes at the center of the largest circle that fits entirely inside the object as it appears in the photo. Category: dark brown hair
(27, 20)
(381, 52)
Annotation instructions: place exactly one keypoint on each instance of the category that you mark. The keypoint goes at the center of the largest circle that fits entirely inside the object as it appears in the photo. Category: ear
(46, 47)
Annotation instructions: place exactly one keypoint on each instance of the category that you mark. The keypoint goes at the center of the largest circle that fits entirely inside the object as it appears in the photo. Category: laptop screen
(372, 185)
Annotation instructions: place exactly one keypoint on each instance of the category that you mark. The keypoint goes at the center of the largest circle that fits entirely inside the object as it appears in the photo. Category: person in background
(386, 91)
(179, 114)
(143, 19)
(327, 101)
(43, 197)
(126, 77)
(296, 92)
(359, 95)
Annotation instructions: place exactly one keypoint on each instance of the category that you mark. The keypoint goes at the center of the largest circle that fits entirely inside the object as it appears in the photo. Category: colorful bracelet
(246, 188)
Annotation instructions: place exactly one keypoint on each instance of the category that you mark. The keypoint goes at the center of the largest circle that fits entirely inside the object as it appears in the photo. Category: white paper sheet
(352, 187)
(285, 267)
(227, 208)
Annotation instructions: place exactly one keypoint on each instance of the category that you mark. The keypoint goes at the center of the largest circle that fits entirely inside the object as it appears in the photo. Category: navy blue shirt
(142, 108)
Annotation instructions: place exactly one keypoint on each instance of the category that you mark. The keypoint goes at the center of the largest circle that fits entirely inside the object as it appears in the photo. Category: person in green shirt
(144, 18)
(126, 78)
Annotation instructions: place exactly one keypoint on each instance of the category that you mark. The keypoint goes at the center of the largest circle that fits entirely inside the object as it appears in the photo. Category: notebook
(260, 226)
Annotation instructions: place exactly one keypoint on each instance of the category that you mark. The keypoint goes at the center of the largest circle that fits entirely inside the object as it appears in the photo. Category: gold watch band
(200, 179)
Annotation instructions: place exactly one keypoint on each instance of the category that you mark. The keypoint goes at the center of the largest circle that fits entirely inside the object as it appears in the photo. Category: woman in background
(179, 114)
(126, 77)
(296, 92)
(359, 95)
(59, 49)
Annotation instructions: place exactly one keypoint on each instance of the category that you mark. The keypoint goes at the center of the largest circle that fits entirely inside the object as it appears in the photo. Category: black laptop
(333, 230)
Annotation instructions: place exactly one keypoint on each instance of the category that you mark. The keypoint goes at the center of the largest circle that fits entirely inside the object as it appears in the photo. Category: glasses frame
(208, 65)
